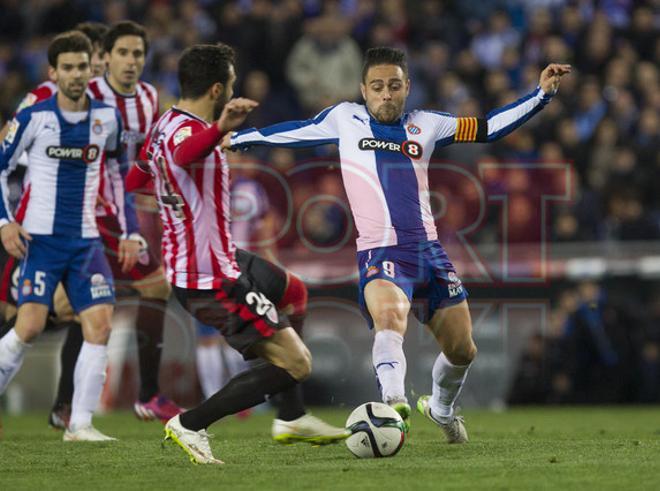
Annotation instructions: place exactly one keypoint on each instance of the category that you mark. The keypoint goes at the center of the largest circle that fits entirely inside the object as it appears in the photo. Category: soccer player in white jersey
(191, 180)
(384, 155)
(62, 314)
(66, 138)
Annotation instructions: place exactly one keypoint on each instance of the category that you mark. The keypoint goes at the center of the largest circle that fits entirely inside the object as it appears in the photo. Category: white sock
(234, 363)
(390, 365)
(448, 380)
(88, 379)
(12, 352)
(209, 369)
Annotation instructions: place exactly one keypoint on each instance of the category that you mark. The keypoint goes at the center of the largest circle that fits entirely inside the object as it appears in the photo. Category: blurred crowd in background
(466, 57)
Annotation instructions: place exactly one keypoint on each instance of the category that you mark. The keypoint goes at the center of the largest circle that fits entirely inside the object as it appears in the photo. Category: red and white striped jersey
(194, 204)
(40, 93)
(138, 113)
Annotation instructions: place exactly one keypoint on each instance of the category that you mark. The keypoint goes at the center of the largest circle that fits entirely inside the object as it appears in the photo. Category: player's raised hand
(234, 113)
(12, 235)
(129, 250)
(550, 76)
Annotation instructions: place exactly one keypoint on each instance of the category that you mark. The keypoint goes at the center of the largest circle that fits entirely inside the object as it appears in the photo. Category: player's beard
(218, 106)
(388, 112)
(74, 92)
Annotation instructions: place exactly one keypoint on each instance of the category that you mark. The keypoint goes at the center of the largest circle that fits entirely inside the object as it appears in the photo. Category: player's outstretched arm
(502, 121)
(320, 130)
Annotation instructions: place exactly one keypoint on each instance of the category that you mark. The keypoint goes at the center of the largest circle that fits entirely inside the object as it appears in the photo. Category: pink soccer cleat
(158, 407)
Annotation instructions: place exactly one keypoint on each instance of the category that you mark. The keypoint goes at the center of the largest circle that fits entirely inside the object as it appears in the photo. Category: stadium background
(566, 301)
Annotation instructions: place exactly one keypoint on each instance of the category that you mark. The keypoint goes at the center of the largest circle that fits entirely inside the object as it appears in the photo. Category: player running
(384, 155)
(66, 138)
(192, 183)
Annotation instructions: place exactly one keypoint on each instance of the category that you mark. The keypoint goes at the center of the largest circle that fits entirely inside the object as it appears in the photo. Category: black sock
(291, 405)
(68, 358)
(245, 390)
(7, 326)
(150, 322)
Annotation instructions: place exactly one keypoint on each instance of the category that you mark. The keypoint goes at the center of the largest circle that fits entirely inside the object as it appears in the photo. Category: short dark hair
(68, 42)
(384, 56)
(95, 31)
(124, 28)
(203, 65)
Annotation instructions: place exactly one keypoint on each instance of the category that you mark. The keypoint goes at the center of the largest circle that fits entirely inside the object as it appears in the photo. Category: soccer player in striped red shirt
(191, 179)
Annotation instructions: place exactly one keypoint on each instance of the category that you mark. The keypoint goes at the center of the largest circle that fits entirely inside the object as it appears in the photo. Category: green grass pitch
(574, 448)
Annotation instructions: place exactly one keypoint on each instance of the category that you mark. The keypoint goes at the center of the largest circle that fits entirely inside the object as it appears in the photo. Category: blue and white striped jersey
(63, 169)
(385, 166)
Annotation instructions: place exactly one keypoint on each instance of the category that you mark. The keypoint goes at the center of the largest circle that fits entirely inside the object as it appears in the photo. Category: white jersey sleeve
(497, 123)
(321, 129)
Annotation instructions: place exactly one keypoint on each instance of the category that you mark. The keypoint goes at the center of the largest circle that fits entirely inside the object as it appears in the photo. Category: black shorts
(241, 309)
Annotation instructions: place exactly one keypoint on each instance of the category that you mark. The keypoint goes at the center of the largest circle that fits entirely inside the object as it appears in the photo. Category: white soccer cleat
(307, 428)
(454, 428)
(194, 443)
(86, 434)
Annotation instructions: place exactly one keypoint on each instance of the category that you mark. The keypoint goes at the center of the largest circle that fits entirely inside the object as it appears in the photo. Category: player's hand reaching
(129, 251)
(226, 141)
(12, 235)
(234, 113)
(551, 75)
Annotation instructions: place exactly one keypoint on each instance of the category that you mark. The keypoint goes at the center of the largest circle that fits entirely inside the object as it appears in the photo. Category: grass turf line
(574, 448)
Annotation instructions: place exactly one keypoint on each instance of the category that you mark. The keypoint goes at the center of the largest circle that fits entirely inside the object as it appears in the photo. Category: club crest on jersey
(414, 129)
(11, 132)
(27, 287)
(97, 127)
(87, 154)
(409, 148)
(181, 135)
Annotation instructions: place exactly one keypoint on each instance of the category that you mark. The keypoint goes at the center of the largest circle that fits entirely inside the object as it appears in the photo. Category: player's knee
(462, 353)
(300, 365)
(390, 316)
(99, 333)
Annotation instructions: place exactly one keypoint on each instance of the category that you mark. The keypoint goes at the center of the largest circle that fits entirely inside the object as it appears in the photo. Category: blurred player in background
(66, 138)
(384, 156)
(125, 47)
(192, 183)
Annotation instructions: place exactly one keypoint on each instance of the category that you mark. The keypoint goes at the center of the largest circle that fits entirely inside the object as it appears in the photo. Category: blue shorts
(80, 264)
(423, 271)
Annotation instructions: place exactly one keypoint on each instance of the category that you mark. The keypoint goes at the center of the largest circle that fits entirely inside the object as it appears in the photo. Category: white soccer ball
(377, 431)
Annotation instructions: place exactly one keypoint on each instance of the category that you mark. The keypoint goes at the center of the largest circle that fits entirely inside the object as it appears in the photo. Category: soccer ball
(377, 431)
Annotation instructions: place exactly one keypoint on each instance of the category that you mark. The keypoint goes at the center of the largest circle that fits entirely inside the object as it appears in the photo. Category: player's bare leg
(388, 306)
(154, 291)
(89, 373)
(452, 327)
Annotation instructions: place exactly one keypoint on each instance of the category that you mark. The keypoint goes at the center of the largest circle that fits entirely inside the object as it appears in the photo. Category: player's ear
(407, 87)
(363, 89)
(52, 73)
(217, 89)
